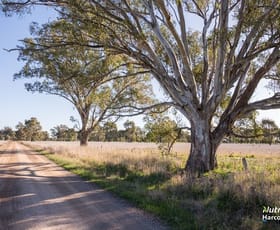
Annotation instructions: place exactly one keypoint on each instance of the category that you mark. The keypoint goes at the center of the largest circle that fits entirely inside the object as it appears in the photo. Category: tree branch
(231, 132)
(266, 104)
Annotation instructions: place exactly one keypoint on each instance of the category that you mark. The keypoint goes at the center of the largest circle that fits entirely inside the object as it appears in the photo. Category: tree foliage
(30, 130)
(164, 131)
(98, 84)
(111, 131)
(63, 133)
(7, 133)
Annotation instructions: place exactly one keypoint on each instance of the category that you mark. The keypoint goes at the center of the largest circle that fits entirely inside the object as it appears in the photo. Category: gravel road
(37, 194)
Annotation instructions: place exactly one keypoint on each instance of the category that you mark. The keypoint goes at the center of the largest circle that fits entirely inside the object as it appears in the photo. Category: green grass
(227, 198)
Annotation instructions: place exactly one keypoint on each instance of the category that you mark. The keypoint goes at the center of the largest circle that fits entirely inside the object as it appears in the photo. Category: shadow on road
(35, 193)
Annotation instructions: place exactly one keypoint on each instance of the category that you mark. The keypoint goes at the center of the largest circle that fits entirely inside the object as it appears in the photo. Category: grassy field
(227, 198)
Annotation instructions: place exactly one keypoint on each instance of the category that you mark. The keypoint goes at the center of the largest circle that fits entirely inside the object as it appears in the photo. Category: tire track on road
(37, 194)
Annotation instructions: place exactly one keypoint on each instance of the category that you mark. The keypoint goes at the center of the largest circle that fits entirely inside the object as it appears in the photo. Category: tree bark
(84, 135)
(202, 156)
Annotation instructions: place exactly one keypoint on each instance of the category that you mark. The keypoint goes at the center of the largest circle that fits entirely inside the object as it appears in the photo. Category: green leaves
(101, 85)
(161, 130)
(30, 130)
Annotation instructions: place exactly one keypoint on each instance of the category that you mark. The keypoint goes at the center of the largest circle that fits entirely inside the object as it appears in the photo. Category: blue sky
(16, 103)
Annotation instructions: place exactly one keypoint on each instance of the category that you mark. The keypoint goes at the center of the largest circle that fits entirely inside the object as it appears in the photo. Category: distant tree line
(29, 130)
(160, 130)
(249, 130)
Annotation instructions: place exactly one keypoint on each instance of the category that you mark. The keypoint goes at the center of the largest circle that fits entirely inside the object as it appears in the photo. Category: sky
(16, 103)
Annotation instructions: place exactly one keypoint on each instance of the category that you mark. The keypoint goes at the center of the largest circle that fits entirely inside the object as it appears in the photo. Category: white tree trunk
(202, 156)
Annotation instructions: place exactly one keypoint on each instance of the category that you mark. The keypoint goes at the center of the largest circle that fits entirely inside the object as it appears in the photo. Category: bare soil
(35, 193)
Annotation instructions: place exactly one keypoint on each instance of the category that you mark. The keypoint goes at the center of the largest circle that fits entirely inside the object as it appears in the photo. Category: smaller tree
(270, 131)
(33, 129)
(111, 131)
(100, 86)
(7, 133)
(162, 130)
(30, 130)
(20, 133)
(44, 136)
(97, 134)
(64, 133)
(140, 134)
(130, 131)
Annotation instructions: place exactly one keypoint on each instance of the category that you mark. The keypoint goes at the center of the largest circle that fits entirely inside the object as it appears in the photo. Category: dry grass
(227, 198)
(144, 157)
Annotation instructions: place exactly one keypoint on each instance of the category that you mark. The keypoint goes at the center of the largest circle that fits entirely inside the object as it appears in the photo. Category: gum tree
(99, 85)
(63, 133)
(30, 130)
(234, 45)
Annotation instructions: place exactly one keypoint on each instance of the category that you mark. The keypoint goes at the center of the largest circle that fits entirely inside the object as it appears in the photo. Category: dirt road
(37, 194)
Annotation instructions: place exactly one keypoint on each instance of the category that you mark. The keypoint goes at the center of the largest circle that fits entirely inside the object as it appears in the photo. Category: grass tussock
(226, 198)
